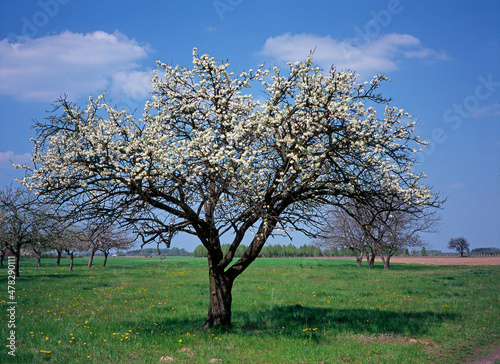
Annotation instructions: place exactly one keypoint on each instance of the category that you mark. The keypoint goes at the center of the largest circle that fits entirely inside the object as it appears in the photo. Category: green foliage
(287, 310)
(485, 251)
(423, 252)
(173, 252)
(434, 252)
(269, 251)
(202, 252)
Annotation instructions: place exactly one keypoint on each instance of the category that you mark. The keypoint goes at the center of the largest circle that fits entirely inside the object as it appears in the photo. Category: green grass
(138, 310)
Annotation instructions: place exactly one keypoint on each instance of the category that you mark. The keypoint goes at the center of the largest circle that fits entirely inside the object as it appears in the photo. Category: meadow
(285, 310)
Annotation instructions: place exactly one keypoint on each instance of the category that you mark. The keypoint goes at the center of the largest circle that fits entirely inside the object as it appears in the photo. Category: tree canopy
(460, 244)
(208, 159)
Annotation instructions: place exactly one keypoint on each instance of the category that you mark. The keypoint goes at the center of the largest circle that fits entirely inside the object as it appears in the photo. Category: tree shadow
(358, 320)
(302, 321)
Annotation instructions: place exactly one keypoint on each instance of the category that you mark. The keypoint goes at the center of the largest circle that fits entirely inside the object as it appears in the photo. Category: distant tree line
(485, 251)
(278, 251)
(172, 252)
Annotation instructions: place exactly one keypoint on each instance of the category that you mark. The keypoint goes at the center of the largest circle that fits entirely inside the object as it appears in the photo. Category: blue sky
(443, 58)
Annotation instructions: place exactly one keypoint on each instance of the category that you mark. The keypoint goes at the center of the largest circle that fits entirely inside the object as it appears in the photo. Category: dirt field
(438, 260)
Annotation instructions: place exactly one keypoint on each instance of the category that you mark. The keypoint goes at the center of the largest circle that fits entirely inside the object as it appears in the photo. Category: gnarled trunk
(219, 308)
(105, 259)
(71, 262)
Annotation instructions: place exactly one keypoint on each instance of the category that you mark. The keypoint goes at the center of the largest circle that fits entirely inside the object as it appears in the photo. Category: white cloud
(43, 69)
(210, 29)
(9, 157)
(379, 55)
(487, 111)
(457, 186)
(133, 84)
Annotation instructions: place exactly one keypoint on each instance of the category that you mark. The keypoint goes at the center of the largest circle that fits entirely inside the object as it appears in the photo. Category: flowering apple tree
(208, 159)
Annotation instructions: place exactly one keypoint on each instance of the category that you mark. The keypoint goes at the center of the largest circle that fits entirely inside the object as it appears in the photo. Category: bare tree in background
(461, 245)
(403, 229)
(23, 222)
(73, 246)
(342, 231)
(379, 227)
(114, 238)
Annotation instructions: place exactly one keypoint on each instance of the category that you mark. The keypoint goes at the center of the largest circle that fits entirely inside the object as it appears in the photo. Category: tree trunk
(71, 262)
(92, 252)
(16, 264)
(59, 253)
(385, 260)
(105, 259)
(219, 308)
(358, 261)
(371, 262)
(38, 262)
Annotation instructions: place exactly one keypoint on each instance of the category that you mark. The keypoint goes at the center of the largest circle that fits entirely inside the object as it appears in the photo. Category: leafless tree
(460, 244)
(22, 222)
(380, 227)
(113, 238)
(403, 230)
(72, 247)
(342, 231)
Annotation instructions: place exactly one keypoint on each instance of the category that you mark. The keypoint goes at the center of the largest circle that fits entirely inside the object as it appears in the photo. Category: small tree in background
(114, 238)
(342, 231)
(461, 245)
(379, 227)
(73, 246)
(23, 223)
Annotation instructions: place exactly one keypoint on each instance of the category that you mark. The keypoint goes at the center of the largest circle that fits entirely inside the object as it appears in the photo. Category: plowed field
(444, 260)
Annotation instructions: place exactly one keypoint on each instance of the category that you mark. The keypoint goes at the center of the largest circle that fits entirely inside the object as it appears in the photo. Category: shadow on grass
(359, 320)
(300, 321)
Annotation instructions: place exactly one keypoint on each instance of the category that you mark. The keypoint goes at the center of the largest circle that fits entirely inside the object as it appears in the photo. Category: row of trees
(29, 224)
